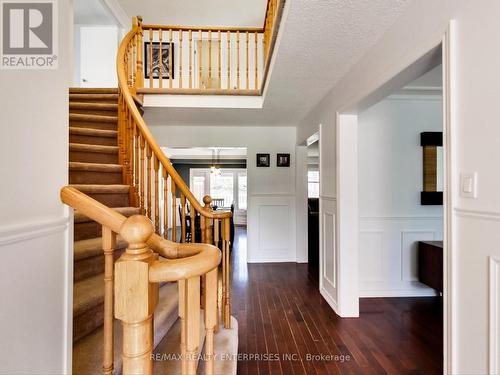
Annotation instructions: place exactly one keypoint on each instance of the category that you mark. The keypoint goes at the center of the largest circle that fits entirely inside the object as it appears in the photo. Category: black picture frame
(283, 160)
(165, 51)
(263, 160)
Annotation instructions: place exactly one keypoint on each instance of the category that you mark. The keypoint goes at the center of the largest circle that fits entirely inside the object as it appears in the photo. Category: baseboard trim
(397, 293)
(28, 231)
(271, 260)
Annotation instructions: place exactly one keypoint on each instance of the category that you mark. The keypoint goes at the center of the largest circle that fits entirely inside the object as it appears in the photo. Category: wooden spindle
(157, 194)
(246, 66)
(165, 203)
(108, 246)
(202, 227)
(183, 218)
(238, 60)
(136, 167)
(170, 57)
(180, 58)
(226, 270)
(219, 60)
(134, 59)
(142, 175)
(228, 60)
(148, 181)
(140, 72)
(174, 213)
(192, 327)
(256, 83)
(209, 59)
(160, 56)
(200, 58)
(150, 57)
(190, 59)
(210, 304)
(182, 316)
(135, 297)
(192, 214)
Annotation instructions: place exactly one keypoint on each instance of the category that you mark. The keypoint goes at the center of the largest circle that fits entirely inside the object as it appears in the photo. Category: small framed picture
(283, 160)
(165, 63)
(263, 160)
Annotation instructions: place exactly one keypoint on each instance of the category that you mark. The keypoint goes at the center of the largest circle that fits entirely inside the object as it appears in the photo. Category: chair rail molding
(478, 214)
(20, 232)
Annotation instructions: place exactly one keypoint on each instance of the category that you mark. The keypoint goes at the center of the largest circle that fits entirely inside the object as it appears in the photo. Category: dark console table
(430, 264)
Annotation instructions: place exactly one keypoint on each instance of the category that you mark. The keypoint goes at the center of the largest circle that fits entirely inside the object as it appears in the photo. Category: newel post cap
(136, 230)
(207, 199)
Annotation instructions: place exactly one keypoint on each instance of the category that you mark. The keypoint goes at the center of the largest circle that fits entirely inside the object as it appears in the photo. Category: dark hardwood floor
(286, 327)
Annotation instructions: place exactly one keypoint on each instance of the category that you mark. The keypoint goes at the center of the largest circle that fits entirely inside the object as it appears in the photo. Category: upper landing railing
(202, 60)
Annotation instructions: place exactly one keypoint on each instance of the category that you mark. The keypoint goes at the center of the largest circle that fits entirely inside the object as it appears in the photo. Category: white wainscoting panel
(328, 250)
(494, 302)
(271, 228)
(35, 290)
(388, 254)
(371, 250)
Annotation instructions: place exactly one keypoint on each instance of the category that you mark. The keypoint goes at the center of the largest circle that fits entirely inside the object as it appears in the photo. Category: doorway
(313, 215)
(348, 223)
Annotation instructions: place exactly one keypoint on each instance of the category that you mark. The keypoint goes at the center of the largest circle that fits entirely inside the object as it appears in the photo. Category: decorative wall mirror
(432, 144)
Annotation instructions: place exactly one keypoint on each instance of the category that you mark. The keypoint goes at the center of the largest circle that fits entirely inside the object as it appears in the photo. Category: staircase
(142, 286)
(94, 169)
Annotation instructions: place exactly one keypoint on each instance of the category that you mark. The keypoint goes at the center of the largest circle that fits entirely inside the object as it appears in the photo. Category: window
(198, 187)
(230, 185)
(313, 184)
(222, 187)
(242, 191)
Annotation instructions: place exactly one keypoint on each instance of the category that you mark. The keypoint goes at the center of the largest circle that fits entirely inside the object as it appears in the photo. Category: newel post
(139, 79)
(135, 296)
(209, 225)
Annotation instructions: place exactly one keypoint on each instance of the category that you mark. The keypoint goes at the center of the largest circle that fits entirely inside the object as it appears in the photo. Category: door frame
(347, 238)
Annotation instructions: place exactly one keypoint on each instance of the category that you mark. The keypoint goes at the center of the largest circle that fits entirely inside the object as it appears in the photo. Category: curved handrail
(167, 249)
(162, 158)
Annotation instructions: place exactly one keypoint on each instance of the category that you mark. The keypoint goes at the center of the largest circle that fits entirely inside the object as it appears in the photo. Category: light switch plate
(468, 185)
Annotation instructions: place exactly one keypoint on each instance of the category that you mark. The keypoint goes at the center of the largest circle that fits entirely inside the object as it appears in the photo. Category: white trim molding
(494, 329)
(478, 214)
(27, 231)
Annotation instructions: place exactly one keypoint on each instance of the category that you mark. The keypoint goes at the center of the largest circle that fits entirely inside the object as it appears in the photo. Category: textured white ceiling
(321, 40)
(241, 13)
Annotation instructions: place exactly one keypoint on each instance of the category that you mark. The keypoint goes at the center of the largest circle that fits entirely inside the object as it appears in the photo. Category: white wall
(36, 267)
(475, 330)
(392, 219)
(271, 191)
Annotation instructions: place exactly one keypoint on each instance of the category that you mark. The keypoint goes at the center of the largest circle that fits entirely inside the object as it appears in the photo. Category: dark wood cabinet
(430, 264)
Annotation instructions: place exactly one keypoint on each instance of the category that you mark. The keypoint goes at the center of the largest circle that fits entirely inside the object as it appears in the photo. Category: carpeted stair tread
(93, 90)
(125, 211)
(82, 147)
(95, 167)
(92, 118)
(90, 132)
(87, 352)
(170, 347)
(102, 189)
(88, 248)
(87, 294)
(94, 106)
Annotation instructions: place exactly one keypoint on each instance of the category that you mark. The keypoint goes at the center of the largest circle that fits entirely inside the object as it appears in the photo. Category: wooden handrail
(113, 220)
(202, 28)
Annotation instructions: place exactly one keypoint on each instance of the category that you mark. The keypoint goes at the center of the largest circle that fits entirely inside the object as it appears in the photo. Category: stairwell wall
(36, 267)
